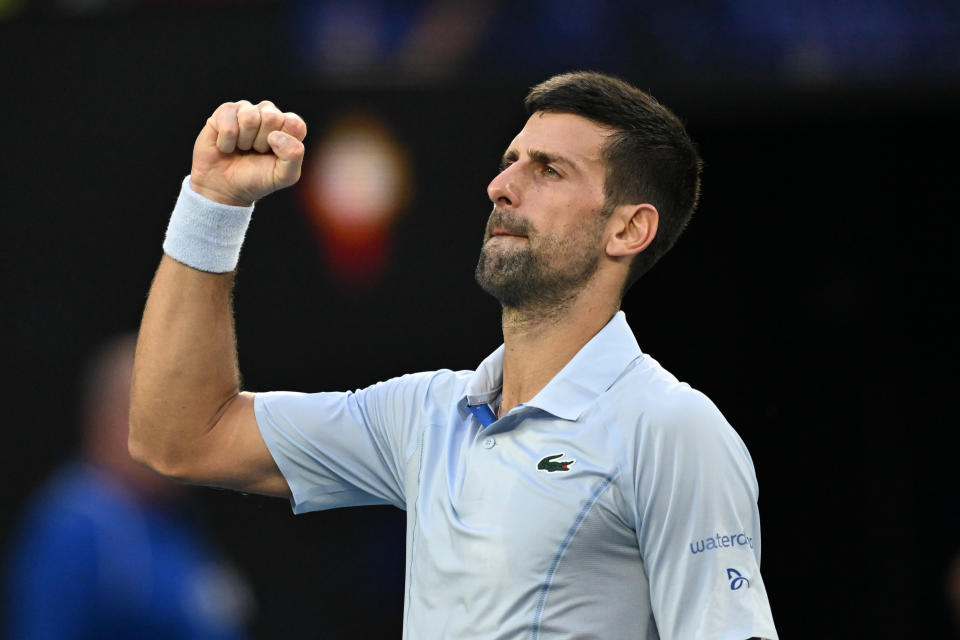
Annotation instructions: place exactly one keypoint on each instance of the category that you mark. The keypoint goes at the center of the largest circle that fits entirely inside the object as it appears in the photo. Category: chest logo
(551, 464)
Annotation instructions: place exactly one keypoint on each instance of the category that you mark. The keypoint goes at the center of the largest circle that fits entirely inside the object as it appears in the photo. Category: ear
(631, 229)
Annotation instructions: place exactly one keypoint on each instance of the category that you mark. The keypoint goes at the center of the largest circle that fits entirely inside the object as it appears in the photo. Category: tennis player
(569, 487)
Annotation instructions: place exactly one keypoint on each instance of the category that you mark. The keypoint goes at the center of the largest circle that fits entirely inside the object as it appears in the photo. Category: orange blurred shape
(355, 184)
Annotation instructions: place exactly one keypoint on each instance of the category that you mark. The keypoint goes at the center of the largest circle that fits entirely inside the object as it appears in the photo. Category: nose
(503, 190)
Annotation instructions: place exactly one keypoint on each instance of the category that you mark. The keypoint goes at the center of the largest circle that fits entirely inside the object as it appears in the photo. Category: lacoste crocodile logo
(551, 464)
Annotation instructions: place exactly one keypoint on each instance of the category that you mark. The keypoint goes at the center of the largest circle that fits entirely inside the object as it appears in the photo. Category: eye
(550, 171)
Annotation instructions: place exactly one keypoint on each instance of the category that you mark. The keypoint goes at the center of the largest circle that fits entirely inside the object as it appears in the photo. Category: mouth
(497, 233)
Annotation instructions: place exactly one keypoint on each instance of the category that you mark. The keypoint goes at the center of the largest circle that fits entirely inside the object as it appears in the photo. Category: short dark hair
(649, 157)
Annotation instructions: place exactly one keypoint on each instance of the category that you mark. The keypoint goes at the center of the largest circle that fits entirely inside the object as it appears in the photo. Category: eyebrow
(540, 157)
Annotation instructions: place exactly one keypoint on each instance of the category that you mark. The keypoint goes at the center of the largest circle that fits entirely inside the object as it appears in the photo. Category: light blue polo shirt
(617, 503)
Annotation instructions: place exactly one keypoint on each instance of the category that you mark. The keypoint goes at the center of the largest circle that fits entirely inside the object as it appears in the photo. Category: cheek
(563, 213)
(558, 245)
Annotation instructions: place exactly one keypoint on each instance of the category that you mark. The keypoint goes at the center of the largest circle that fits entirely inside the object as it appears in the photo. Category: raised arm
(188, 418)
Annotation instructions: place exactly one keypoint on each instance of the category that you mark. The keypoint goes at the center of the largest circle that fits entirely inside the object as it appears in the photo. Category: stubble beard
(539, 275)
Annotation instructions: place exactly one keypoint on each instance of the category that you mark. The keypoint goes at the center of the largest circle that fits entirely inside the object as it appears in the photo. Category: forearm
(188, 419)
(185, 372)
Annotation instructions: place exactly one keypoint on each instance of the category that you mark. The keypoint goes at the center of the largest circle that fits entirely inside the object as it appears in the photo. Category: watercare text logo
(721, 542)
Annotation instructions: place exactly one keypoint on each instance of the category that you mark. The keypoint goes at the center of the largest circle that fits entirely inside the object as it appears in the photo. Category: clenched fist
(247, 151)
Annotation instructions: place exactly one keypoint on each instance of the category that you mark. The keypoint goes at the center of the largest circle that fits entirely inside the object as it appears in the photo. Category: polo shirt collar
(589, 373)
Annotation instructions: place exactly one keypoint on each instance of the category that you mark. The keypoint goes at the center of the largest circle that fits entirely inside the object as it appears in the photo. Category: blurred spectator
(105, 549)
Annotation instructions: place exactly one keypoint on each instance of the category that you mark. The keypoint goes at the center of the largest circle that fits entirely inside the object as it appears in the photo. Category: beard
(541, 272)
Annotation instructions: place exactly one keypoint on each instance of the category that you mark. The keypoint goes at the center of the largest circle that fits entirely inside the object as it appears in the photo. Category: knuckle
(248, 122)
(226, 110)
(248, 116)
(272, 119)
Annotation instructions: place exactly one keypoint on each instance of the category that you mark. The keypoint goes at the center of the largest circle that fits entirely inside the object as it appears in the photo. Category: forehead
(571, 136)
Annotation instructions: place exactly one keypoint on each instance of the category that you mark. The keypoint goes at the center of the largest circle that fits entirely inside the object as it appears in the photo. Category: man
(570, 487)
(105, 550)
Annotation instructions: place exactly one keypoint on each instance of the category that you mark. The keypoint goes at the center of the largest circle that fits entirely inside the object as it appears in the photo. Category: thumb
(289, 152)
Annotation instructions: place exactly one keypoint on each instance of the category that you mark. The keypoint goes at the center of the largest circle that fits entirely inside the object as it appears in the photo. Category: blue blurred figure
(103, 550)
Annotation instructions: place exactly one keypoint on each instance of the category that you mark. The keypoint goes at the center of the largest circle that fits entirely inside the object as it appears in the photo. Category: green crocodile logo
(551, 464)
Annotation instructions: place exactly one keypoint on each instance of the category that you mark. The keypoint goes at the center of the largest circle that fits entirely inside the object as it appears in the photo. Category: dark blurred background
(813, 297)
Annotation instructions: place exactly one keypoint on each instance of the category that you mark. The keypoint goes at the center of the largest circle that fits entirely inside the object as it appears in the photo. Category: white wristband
(204, 234)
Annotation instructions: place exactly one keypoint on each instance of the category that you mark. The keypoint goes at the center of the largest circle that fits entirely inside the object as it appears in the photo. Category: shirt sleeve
(344, 449)
(698, 526)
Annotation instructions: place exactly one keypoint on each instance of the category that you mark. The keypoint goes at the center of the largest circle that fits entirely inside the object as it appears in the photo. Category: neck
(538, 343)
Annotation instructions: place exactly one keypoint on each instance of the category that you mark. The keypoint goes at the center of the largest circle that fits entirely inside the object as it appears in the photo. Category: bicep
(233, 454)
